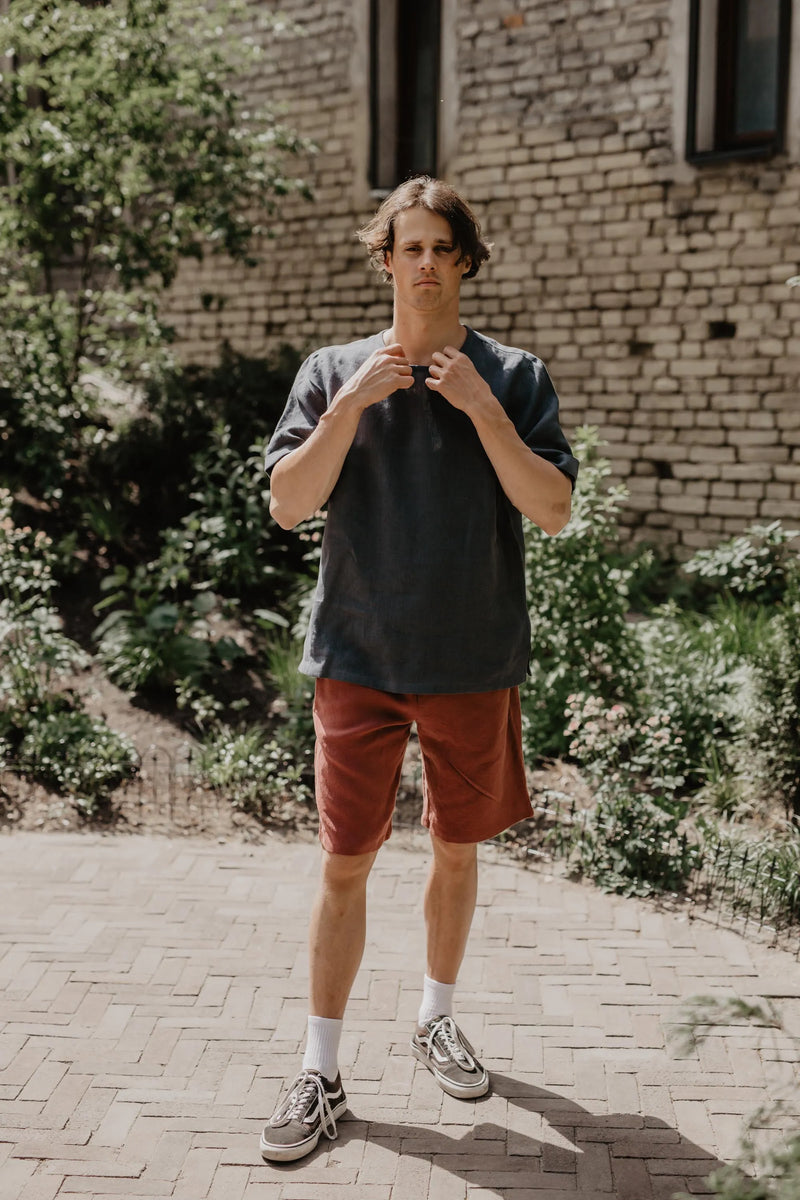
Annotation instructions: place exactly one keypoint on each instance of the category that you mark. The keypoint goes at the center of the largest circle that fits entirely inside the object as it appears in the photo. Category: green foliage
(227, 539)
(76, 754)
(777, 1177)
(631, 843)
(764, 869)
(578, 599)
(283, 651)
(126, 148)
(776, 726)
(183, 479)
(754, 566)
(771, 1170)
(153, 639)
(42, 733)
(253, 768)
(34, 653)
(621, 745)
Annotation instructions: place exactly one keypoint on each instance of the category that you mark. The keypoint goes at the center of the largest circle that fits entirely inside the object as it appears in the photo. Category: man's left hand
(453, 375)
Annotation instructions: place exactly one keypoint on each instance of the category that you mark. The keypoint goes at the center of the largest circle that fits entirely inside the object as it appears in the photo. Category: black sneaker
(310, 1108)
(444, 1050)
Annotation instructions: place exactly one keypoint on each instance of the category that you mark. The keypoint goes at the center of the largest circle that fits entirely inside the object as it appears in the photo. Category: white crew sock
(437, 1000)
(322, 1046)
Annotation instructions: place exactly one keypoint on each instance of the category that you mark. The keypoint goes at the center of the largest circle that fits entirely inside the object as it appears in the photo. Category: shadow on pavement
(554, 1147)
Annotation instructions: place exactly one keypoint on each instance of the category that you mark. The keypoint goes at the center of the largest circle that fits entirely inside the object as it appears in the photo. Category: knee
(345, 872)
(455, 858)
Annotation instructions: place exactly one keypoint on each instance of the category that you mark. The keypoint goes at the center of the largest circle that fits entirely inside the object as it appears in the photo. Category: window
(738, 71)
(404, 88)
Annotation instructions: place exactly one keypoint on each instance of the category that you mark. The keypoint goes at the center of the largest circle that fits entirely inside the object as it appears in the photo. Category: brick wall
(656, 293)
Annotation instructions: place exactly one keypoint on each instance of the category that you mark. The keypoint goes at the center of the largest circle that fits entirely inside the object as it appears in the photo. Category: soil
(165, 799)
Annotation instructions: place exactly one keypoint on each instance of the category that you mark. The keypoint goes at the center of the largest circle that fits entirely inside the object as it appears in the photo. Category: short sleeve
(305, 405)
(533, 407)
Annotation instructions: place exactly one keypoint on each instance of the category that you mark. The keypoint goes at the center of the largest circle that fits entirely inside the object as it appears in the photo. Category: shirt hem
(404, 687)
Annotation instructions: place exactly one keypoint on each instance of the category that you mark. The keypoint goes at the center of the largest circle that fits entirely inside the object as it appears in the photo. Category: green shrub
(755, 873)
(252, 768)
(127, 146)
(578, 585)
(76, 754)
(159, 468)
(34, 653)
(615, 747)
(775, 736)
(631, 843)
(227, 540)
(156, 639)
(755, 566)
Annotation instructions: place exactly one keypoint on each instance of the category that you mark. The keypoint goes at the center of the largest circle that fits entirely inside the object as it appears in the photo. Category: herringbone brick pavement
(153, 1001)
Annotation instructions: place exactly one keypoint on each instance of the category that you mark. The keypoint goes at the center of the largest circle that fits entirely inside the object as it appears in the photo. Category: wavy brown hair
(438, 197)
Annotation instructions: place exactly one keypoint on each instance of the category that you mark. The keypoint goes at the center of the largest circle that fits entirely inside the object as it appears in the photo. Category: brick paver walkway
(153, 1001)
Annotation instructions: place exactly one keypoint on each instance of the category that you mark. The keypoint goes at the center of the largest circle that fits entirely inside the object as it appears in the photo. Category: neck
(421, 335)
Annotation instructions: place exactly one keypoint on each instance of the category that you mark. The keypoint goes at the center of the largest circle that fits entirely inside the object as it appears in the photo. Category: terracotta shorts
(474, 782)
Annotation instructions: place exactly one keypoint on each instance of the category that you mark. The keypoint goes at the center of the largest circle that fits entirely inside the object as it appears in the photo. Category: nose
(427, 262)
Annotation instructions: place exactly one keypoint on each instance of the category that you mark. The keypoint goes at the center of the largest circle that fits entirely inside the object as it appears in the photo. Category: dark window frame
(411, 127)
(726, 144)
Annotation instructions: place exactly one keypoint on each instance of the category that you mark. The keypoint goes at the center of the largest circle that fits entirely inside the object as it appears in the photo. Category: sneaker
(310, 1108)
(444, 1050)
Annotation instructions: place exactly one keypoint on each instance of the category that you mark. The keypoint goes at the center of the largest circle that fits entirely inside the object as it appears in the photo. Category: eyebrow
(414, 241)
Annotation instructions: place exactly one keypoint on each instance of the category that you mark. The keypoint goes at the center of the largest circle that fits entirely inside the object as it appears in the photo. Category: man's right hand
(303, 479)
(386, 370)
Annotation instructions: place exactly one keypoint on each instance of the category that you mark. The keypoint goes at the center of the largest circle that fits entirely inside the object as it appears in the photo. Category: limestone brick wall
(655, 292)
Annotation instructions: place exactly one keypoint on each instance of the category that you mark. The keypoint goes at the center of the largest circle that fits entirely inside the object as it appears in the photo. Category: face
(423, 263)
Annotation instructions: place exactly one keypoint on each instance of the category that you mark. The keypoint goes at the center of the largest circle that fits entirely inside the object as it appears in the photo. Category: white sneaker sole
(274, 1152)
(461, 1091)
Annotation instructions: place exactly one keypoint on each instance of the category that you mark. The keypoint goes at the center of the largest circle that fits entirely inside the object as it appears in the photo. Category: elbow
(557, 519)
(280, 514)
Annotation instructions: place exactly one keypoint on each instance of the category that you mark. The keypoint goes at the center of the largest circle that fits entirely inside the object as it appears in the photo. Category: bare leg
(338, 931)
(450, 897)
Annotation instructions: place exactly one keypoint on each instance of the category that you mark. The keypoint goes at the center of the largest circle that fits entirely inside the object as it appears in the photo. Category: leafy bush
(76, 754)
(615, 747)
(35, 652)
(762, 869)
(140, 476)
(631, 843)
(127, 148)
(578, 599)
(252, 768)
(227, 539)
(755, 566)
(775, 739)
(156, 640)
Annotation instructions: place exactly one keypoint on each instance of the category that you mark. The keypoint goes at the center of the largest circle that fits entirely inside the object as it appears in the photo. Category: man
(426, 441)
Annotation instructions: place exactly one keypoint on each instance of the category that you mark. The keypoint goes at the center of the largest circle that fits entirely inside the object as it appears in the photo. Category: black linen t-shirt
(422, 577)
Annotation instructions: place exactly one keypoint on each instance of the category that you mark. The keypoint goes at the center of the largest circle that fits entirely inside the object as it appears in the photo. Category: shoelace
(306, 1087)
(446, 1031)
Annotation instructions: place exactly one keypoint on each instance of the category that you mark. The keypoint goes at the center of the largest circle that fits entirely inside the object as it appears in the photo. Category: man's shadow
(554, 1147)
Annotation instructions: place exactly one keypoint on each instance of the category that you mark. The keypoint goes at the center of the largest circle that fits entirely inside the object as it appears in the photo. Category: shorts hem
(494, 831)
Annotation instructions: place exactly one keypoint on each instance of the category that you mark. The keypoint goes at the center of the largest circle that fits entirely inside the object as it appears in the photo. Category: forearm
(302, 481)
(533, 485)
